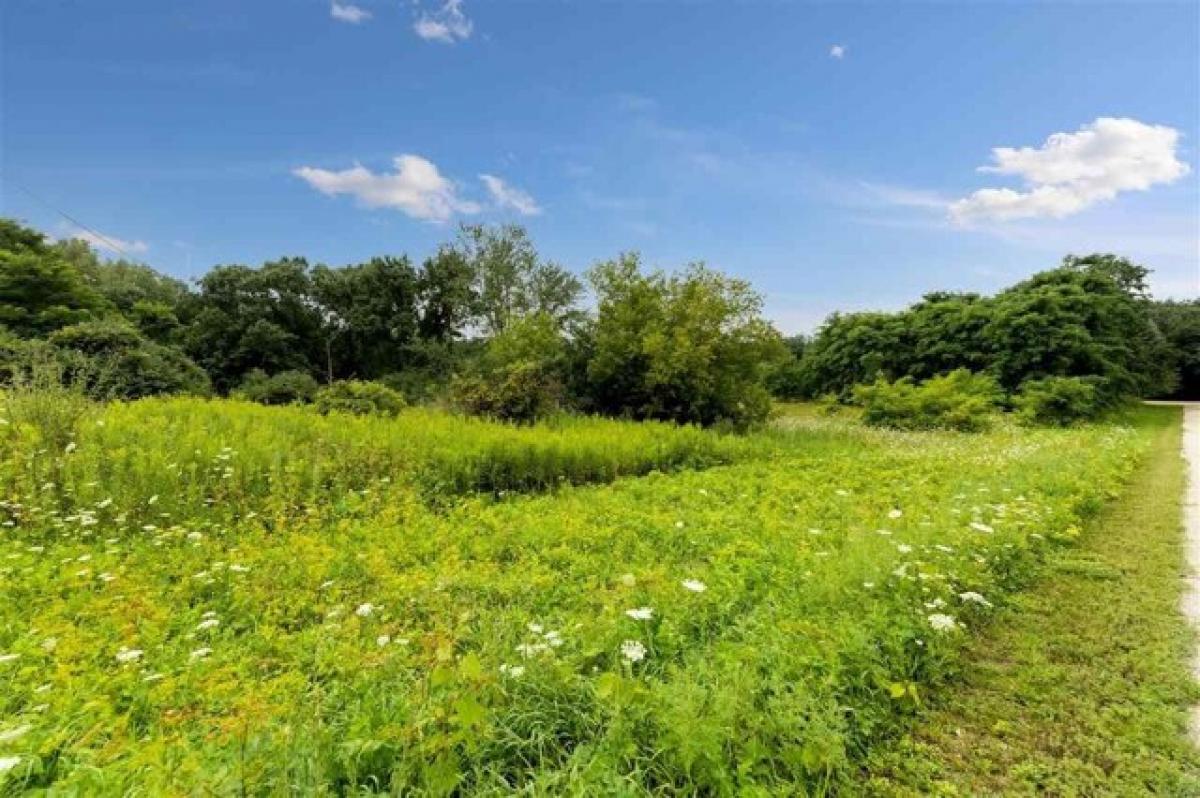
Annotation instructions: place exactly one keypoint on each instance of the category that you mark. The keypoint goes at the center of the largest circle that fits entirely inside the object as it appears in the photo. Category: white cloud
(446, 25)
(348, 13)
(506, 196)
(838, 51)
(1073, 171)
(110, 244)
(416, 188)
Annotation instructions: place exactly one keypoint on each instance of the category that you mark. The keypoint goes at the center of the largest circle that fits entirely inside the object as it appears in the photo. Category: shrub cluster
(284, 388)
(959, 401)
(359, 398)
(1058, 401)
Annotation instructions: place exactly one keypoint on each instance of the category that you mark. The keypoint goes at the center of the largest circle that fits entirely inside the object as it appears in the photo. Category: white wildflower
(70, 447)
(364, 610)
(978, 527)
(977, 598)
(152, 499)
(694, 585)
(942, 623)
(528, 650)
(553, 639)
(640, 614)
(129, 654)
(7, 763)
(536, 628)
(895, 514)
(628, 580)
(208, 623)
(200, 653)
(633, 651)
(383, 640)
(904, 548)
(515, 671)
(8, 735)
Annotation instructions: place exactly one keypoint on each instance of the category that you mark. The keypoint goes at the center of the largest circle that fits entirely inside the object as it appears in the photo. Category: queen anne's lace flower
(633, 651)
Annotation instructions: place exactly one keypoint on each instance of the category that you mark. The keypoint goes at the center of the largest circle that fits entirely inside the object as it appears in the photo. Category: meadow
(206, 596)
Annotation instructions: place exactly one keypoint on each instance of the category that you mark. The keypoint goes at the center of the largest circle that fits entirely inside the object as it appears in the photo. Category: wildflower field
(210, 597)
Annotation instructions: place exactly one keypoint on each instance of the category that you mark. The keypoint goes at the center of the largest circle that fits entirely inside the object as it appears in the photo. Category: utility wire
(71, 219)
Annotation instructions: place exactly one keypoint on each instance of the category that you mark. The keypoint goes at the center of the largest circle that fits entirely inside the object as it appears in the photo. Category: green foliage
(360, 398)
(522, 392)
(1088, 317)
(40, 292)
(510, 280)
(520, 375)
(1178, 321)
(221, 556)
(1058, 401)
(284, 388)
(111, 360)
(690, 347)
(959, 401)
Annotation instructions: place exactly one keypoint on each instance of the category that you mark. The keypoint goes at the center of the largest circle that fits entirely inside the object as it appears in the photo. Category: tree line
(489, 325)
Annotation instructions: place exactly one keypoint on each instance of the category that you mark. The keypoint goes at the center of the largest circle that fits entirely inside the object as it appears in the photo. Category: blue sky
(830, 153)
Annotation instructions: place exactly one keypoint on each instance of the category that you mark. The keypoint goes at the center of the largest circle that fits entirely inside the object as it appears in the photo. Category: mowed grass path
(1083, 689)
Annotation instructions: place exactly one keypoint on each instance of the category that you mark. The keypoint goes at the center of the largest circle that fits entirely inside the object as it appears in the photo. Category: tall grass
(788, 609)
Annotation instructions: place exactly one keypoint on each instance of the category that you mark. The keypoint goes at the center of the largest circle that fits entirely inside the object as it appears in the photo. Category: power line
(71, 219)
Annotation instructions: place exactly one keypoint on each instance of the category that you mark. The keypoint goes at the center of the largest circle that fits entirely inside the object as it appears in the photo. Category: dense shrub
(284, 388)
(959, 400)
(523, 391)
(520, 375)
(109, 359)
(688, 347)
(1058, 401)
(360, 398)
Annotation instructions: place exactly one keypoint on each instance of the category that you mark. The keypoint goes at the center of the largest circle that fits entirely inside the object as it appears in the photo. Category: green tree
(510, 280)
(40, 292)
(1178, 321)
(446, 290)
(371, 315)
(689, 347)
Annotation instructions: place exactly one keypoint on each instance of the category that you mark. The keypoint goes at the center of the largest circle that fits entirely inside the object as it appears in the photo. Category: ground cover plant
(220, 596)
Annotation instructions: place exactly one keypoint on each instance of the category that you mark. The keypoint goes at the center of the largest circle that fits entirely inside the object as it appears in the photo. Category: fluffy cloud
(1073, 171)
(416, 188)
(837, 51)
(110, 244)
(446, 25)
(348, 13)
(506, 196)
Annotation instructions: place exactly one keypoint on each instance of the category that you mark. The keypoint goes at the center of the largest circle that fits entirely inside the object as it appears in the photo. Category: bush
(691, 347)
(109, 359)
(959, 400)
(284, 388)
(360, 398)
(522, 392)
(1058, 401)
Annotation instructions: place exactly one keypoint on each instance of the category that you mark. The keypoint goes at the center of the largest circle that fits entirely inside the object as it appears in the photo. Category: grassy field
(1082, 689)
(215, 597)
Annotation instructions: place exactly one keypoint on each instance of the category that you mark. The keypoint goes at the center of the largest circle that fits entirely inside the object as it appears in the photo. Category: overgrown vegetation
(1082, 685)
(241, 598)
(487, 325)
(959, 401)
(1090, 318)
